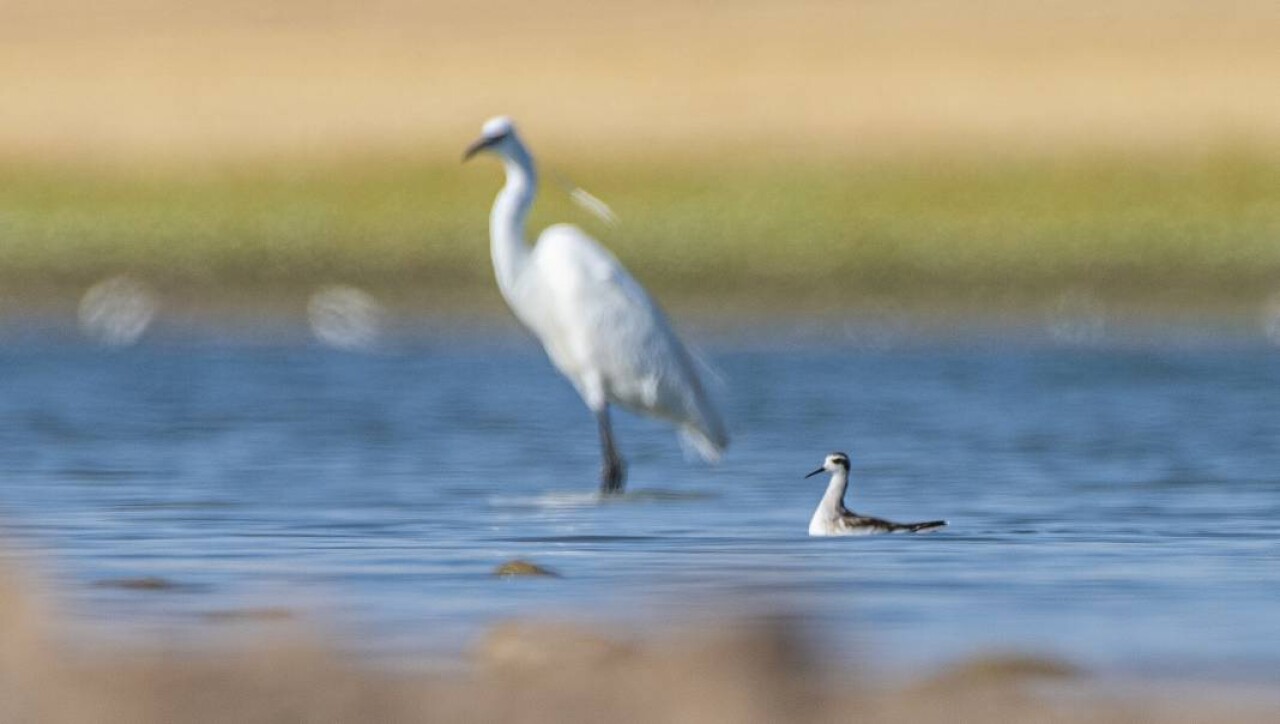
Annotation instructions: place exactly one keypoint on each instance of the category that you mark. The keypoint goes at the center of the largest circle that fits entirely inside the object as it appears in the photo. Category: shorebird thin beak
(480, 145)
(815, 472)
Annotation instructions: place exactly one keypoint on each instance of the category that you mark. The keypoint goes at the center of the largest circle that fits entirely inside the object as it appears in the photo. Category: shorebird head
(497, 136)
(836, 461)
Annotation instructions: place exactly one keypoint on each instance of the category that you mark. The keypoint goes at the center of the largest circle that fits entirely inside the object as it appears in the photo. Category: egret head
(835, 462)
(496, 135)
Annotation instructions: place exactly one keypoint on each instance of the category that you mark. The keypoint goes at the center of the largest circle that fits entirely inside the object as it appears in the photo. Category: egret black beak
(480, 145)
(815, 472)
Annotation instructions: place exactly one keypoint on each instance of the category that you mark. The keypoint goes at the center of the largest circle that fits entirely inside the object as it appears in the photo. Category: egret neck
(506, 221)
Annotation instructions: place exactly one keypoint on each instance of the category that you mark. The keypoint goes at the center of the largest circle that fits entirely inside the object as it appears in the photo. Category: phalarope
(832, 518)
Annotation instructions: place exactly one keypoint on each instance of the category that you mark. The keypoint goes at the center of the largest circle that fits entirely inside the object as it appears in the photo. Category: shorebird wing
(921, 527)
(868, 524)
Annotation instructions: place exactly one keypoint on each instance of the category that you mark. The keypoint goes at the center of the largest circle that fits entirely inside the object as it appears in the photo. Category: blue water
(1116, 504)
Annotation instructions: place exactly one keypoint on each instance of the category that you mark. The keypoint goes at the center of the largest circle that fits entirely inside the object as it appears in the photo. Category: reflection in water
(345, 317)
(117, 311)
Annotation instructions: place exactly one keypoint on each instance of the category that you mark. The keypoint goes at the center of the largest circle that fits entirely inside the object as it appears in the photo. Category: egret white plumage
(832, 518)
(600, 328)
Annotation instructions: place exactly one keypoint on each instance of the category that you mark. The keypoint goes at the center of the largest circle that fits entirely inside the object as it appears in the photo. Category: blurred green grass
(1185, 230)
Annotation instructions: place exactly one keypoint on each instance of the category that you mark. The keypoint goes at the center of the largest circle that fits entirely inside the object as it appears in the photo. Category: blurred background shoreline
(1154, 237)
(172, 82)
(797, 157)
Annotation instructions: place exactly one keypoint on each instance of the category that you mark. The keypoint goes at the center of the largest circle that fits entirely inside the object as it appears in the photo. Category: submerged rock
(518, 567)
(250, 614)
(148, 583)
(1002, 671)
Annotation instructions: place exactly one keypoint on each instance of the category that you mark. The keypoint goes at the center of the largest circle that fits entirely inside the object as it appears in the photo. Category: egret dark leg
(613, 476)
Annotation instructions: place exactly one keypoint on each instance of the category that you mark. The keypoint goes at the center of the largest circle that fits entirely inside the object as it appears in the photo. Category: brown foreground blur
(526, 672)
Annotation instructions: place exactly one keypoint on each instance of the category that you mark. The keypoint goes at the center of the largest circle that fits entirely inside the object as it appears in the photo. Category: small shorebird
(832, 518)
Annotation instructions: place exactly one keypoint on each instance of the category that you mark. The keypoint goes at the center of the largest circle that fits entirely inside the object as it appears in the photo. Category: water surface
(1117, 503)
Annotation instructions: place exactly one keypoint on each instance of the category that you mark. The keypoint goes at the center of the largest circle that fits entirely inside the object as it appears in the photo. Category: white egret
(600, 328)
(832, 518)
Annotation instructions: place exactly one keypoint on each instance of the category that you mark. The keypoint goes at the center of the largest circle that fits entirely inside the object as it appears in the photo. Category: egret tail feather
(700, 443)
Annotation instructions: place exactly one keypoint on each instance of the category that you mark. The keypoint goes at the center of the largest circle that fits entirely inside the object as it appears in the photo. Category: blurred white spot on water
(345, 317)
(116, 312)
(1077, 318)
(878, 326)
(1271, 318)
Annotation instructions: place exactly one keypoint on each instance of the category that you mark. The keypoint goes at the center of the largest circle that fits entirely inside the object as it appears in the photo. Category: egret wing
(604, 331)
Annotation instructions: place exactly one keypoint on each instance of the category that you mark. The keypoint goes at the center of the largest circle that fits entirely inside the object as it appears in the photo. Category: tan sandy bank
(195, 79)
